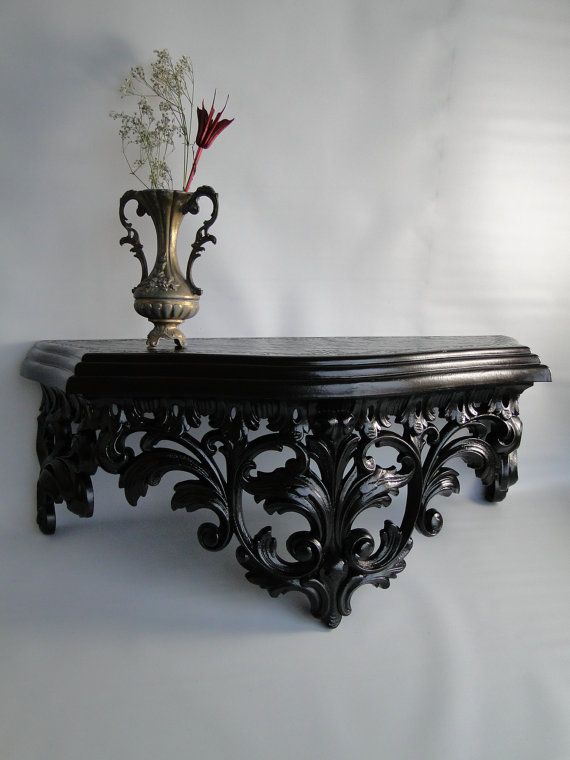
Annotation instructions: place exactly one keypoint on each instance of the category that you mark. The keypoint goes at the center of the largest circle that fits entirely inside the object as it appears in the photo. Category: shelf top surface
(283, 367)
(299, 347)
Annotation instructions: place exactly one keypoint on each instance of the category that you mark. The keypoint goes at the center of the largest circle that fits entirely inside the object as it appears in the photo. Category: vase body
(166, 296)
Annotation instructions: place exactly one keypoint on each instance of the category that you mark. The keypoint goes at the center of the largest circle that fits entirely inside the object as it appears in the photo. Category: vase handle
(132, 236)
(203, 235)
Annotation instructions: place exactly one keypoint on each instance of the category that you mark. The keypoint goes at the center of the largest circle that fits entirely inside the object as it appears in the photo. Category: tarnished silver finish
(165, 296)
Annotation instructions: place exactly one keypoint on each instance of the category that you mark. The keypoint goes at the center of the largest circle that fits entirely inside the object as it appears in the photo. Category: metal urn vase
(166, 296)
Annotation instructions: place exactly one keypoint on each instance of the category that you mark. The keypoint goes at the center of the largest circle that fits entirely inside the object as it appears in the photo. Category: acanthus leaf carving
(329, 477)
(192, 495)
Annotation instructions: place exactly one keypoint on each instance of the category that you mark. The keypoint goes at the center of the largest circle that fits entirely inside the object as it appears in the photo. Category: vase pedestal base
(168, 331)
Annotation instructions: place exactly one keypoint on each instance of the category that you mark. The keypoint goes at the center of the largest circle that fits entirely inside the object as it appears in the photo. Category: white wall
(394, 168)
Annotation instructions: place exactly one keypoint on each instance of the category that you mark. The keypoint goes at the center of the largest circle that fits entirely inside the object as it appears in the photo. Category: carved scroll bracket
(329, 474)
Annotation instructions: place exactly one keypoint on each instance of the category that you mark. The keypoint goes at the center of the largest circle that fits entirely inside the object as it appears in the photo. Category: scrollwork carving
(332, 557)
(165, 424)
(132, 237)
(485, 436)
(64, 444)
(203, 235)
(329, 476)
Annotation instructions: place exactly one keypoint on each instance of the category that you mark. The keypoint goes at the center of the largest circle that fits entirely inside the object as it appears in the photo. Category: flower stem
(193, 170)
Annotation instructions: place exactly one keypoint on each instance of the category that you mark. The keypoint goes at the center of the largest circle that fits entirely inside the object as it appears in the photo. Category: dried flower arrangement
(163, 115)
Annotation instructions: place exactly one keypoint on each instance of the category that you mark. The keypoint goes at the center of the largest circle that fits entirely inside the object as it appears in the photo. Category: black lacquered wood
(283, 368)
(325, 403)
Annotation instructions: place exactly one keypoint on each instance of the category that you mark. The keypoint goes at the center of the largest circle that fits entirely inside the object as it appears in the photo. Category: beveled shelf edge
(49, 367)
(68, 366)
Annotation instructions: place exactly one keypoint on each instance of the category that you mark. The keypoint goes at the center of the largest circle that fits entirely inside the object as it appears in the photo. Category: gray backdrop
(394, 168)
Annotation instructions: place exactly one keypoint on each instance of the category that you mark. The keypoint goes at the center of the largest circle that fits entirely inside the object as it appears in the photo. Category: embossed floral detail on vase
(166, 296)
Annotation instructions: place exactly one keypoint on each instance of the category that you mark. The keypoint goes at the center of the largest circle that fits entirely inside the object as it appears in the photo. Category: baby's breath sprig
(163, 114)
(165, 99)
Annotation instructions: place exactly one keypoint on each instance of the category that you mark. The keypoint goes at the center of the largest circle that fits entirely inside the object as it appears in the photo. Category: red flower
(209, 127)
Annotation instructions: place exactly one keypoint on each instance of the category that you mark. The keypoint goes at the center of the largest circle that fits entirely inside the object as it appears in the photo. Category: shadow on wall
(19, 405)
(148, 575)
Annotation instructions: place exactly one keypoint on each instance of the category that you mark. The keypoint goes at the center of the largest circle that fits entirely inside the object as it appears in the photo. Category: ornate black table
(326, 403)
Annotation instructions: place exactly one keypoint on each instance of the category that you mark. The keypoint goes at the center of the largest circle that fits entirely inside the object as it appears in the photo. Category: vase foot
(168, 331)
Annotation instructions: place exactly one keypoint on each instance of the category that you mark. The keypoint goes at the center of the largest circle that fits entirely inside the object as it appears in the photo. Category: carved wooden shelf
(326, 403)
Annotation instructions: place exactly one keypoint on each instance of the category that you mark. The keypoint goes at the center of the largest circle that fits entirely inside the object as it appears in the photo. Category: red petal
(209, 128)
(202, 124)
(212, 108)
(222, 125)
